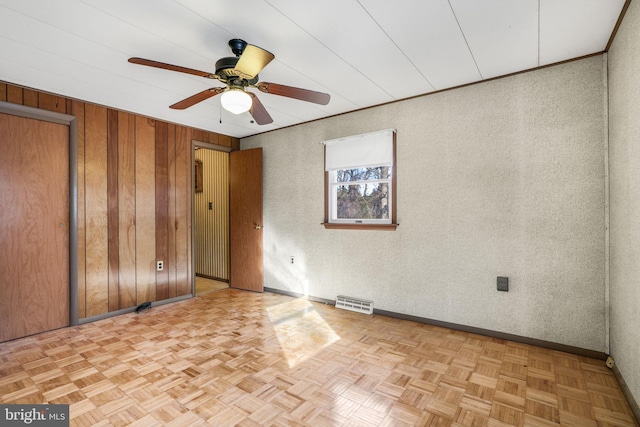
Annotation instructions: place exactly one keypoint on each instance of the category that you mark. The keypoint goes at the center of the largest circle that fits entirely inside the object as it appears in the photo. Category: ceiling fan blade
(156, 64)
(198, 97)
(252, 61)
(258, 112)
(294, 92)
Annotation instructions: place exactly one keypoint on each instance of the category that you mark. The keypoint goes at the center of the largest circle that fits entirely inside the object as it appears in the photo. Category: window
(360, 181)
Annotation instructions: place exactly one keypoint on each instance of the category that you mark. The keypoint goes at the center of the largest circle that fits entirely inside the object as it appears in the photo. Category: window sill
(382, 227)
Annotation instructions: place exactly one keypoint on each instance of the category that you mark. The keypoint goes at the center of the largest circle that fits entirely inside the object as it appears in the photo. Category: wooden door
(34, 226)
(245, 200)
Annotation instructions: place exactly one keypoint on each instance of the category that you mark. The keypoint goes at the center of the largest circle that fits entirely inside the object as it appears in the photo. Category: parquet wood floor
(247, 359)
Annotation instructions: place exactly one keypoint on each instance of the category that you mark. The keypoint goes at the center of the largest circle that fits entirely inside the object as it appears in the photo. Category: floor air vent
(354, 304)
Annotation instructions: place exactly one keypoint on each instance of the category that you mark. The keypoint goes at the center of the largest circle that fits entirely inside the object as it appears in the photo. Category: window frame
(364, 225)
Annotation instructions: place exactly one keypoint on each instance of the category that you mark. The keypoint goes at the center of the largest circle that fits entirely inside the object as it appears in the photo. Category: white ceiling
(361, 52)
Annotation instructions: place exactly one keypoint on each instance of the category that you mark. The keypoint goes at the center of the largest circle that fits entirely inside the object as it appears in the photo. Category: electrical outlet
(160, 266)
(292, 259)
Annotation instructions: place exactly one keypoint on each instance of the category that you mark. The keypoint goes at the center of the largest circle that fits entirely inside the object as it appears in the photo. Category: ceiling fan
(239, 73)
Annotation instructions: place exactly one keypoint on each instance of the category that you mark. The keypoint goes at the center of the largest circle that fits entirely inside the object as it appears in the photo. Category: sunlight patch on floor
(301, 331)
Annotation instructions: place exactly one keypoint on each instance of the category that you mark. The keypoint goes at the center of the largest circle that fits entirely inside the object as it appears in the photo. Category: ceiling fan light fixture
(236, 101)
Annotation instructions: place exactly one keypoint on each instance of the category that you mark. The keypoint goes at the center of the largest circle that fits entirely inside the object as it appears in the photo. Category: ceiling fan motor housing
(225, 70)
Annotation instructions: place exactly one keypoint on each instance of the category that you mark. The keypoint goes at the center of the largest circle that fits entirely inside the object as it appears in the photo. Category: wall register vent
(354, 304)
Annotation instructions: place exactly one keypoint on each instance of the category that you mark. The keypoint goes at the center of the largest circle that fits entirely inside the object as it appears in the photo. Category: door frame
(71, 122)
(195, 143)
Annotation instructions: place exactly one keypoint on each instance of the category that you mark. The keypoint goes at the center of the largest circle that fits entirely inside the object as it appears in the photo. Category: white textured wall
(502, 178)
(624, 152)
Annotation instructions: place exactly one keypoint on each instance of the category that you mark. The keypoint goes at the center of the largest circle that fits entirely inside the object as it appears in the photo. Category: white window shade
(360, 151)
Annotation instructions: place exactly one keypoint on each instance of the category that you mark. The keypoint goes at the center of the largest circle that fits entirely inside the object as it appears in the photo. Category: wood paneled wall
(134, 202)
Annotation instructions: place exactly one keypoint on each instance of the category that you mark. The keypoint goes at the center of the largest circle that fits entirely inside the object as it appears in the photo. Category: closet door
(245, 200)
(34, 226)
